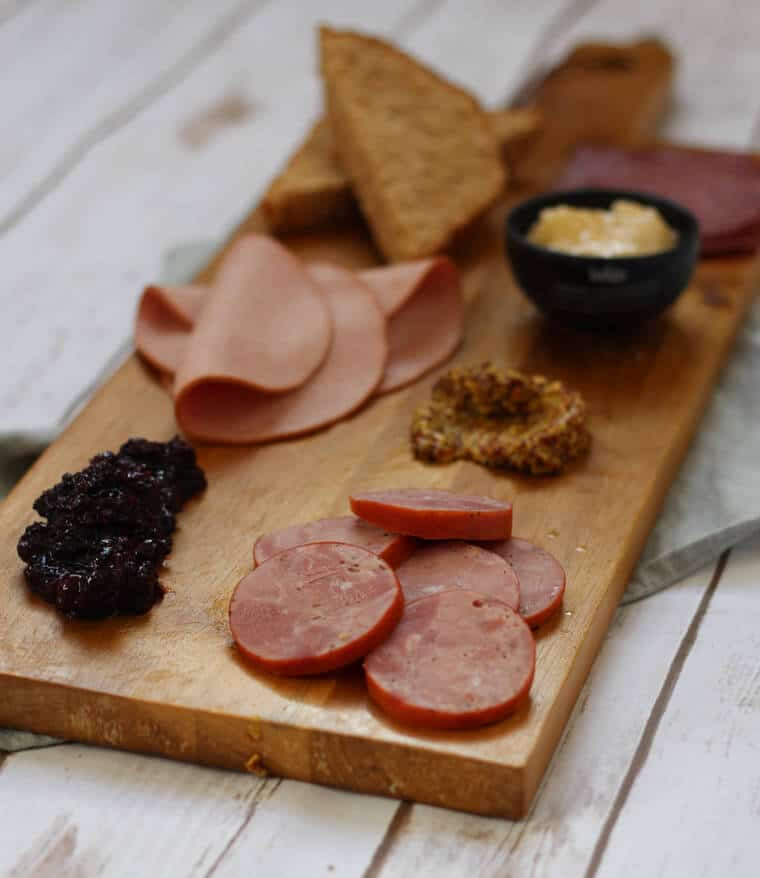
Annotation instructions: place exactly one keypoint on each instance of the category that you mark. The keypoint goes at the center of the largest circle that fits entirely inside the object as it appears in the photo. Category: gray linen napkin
(713, 504)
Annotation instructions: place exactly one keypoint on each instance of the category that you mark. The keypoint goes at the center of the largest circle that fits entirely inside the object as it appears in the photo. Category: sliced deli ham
(314, 608)
(542, 579)
(249, 334)
(437, 567)
(456, 660)
(275, 348)
(721, 188)
(394, 549)
(423, 303)
(249, 340)
(347, 378)
(435, 515)
(165, 319)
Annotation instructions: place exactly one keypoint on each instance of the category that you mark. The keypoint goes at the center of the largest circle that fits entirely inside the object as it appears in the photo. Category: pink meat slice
(165, 319)
(434, 515)
(347, 378)
(436, 567)
(314, 608)
(423, 304)
(394, 549)
(456, 660)
(249, 340)
(542, 579)
(721, 188)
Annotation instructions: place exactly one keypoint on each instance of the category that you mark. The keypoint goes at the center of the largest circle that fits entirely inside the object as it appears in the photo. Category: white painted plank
(580, 786)
(485, 46)
(694, 809)
(70, 68)
(308, 830)
(72, 810)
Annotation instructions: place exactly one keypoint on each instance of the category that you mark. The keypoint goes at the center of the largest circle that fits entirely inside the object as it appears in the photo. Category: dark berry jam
(109, 528)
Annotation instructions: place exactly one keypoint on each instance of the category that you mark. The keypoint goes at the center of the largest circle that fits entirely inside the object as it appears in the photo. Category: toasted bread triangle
(421, 154)
(313, 192)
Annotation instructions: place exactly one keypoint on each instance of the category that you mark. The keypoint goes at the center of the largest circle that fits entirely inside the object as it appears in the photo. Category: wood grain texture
(154, 685)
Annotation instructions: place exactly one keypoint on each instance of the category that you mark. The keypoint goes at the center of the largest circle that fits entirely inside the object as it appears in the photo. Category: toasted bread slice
(421, 154)
(313, 192)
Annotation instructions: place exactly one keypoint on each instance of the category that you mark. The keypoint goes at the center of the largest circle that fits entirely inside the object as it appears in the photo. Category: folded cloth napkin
(713, 504)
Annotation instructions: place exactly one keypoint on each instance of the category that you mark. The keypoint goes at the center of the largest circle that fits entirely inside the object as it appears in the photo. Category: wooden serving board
(172, 683)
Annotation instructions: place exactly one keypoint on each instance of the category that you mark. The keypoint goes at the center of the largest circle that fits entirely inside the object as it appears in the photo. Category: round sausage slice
(394, 549)
(436, 567)
(435, 515)
(456, 660)
(542, 579)
(315, 608)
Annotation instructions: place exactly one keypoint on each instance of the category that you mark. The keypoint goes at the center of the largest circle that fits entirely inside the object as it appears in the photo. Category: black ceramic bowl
(594, 292)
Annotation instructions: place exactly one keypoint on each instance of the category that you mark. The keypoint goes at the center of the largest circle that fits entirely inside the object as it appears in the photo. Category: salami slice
(315, 608)
(721, 188)
(435, 515)
(394, 549)
(456, 660)
(436, 567)
(542, 579)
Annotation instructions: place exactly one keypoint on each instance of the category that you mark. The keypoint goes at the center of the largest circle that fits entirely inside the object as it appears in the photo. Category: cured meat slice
(394, 549)
(223, 412)
(315, 608)
(456, 660)
(542, 579)
(423, 303)
(435, 515)
(721, 188)
(250, 339)
(437, 567)
(165, 319)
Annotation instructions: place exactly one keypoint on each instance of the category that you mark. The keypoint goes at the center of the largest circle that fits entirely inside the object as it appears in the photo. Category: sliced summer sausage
(394, 549)
(435, 515)
(456, 660)
(436, 567)
(315, 608)
(542, 579)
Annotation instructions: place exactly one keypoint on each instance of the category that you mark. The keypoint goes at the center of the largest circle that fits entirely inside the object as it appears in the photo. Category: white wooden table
(130, 127)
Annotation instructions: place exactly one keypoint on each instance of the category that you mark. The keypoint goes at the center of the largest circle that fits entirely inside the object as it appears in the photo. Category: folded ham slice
(423, 304)
(349, 375)
(275, 348)
(165, 318)
(250, 336)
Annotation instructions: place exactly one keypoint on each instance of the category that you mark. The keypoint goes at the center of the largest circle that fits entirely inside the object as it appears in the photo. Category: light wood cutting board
(172, 683)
